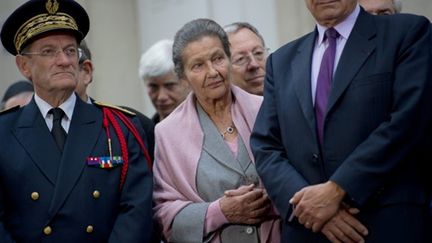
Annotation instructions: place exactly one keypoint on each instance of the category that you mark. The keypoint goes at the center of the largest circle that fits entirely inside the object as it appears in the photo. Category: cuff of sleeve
(214, 218)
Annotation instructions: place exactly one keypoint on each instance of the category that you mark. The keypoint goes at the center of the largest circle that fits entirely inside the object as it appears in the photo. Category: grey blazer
(218, 170)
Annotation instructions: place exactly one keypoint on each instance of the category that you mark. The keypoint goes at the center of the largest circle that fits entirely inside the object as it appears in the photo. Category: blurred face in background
(166, 92)
(85, 77)
(20, 99)
(378, 7)
(249, 57)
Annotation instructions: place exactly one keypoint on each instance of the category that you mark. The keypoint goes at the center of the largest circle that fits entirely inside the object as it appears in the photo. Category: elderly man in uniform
(69, 171)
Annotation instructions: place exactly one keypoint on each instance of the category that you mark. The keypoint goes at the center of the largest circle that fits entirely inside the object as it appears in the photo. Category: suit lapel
(83, 133)
(301, 66)
(32, 132)
(219, 152)
(359, 46)
(214, 144)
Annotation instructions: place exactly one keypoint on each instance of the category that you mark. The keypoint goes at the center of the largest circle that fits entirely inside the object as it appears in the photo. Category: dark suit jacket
(378, 110)
(30, 162)
(155, 118)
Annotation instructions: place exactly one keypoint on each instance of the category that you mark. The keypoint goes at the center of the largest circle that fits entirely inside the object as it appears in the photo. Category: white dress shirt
(67, 107)
(344, 29)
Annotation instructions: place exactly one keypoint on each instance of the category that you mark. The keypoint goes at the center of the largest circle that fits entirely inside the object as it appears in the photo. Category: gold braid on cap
(42, 23)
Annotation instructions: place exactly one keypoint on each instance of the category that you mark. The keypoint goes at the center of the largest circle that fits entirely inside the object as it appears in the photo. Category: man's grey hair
(157, 60)
(236, 26)
(397, 5)
(85, 52)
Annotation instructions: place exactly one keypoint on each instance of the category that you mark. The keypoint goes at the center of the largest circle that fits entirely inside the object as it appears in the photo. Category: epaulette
(14, 108)
(112, 115)
(98, 103)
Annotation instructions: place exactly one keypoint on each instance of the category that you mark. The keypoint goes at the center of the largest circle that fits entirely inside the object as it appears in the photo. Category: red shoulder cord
(109, 119)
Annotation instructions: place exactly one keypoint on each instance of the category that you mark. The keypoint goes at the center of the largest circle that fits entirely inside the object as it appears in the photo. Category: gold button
(89, 229)
(96, 194)
(34, 196)
(47, 230)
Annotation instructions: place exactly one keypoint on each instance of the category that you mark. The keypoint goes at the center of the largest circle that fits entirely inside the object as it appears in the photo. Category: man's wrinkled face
(166, 92)
(51, 63)
(249, 57)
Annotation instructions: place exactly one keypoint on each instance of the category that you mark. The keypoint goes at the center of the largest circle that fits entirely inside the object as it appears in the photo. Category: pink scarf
(179, 141)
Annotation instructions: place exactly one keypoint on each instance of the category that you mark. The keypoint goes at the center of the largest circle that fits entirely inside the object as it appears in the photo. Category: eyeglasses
(70, 52)
(259, 54)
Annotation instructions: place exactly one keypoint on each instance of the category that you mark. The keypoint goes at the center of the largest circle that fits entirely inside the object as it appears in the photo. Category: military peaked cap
(36, 17)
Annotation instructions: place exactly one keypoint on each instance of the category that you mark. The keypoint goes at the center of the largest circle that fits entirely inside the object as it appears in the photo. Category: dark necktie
(57, 130)
(324, 81)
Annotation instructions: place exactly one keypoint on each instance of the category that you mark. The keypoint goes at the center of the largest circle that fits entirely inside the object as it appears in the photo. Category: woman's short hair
(193, 31)
(157, 60)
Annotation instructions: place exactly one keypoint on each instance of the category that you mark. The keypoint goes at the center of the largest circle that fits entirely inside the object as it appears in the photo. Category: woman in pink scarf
(206, 185)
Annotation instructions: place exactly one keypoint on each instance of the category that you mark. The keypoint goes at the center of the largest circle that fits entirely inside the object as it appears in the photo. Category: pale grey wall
(121, 30)
(113, 39)
(8, 70)
(420, 7)
(158, 19)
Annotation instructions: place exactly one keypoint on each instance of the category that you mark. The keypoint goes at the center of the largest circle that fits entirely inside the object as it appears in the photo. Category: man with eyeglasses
(249, 56)
(69, 171)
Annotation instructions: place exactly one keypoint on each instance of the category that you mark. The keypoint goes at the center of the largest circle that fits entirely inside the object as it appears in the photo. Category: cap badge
(52, 7)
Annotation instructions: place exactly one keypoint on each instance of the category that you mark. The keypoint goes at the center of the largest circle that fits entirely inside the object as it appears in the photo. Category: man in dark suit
(340, 135)
(69, 171)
